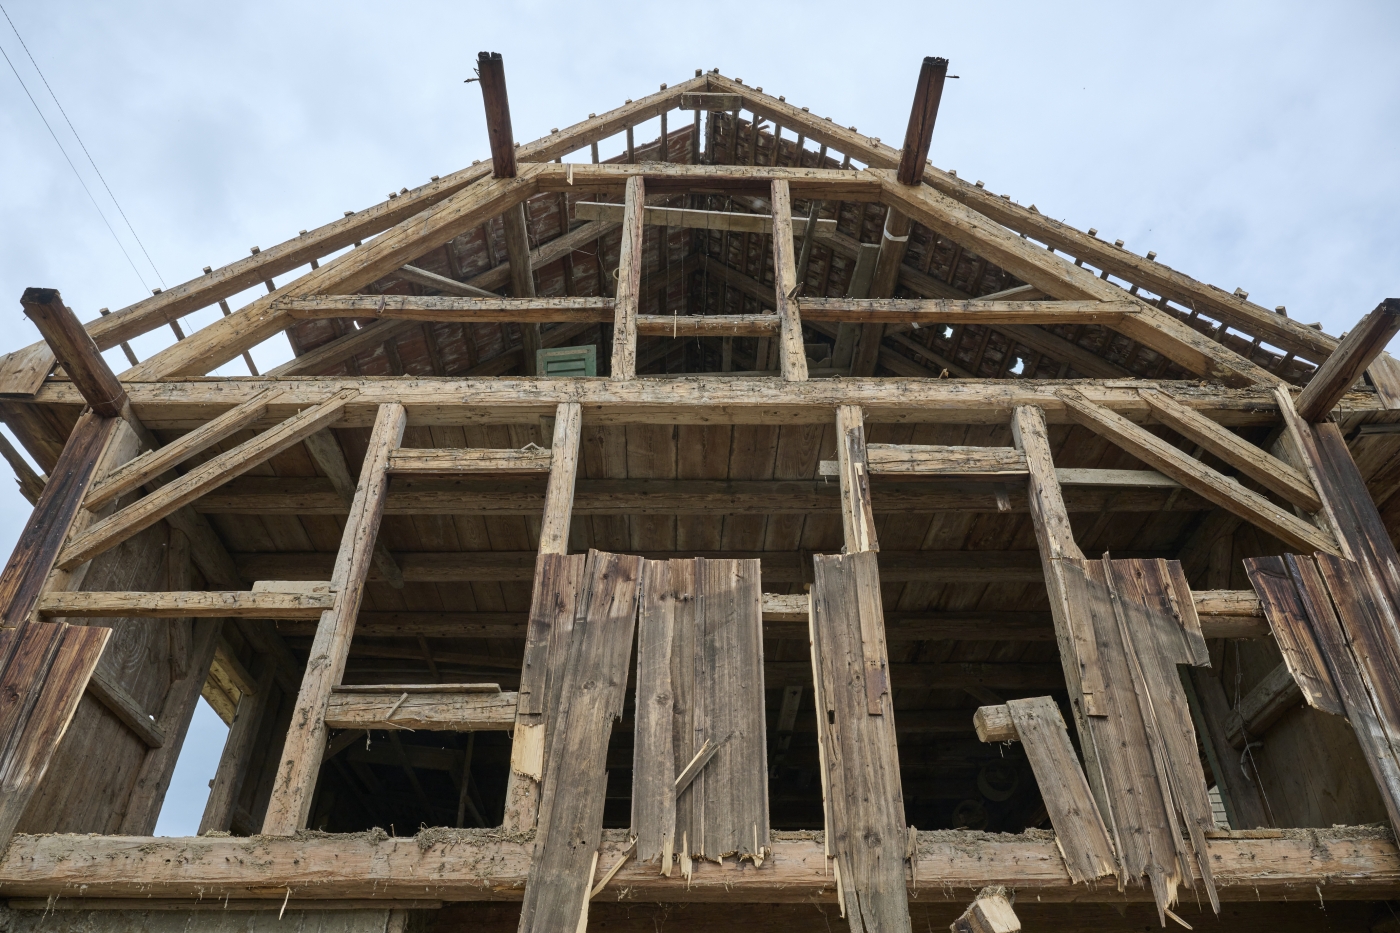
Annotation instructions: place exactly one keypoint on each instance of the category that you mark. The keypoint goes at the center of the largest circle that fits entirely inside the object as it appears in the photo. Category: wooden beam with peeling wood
(1196, 476)
(209, 475)
(1358, 349)
(1265, 469)
(629, 284)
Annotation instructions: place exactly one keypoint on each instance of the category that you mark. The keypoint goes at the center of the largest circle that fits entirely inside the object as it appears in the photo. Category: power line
(70, 160)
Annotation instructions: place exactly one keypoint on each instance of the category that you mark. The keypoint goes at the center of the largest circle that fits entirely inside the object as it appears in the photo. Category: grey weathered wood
(865, 832)
(571, 812)
(1362, 344)
(857, 513)
(1303, 662)
(654, 764)
(442, 710)
(237, 754)
(629, 283)
(1079, 829)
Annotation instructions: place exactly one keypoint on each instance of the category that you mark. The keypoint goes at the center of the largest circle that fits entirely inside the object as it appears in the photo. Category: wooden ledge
(477, 865)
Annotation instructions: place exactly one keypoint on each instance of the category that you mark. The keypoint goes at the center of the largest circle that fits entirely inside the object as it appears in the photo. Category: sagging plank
(301, 753)
(410, 460)
(137, 472)
(1269, 471)
(89, 604)
(74, 348)
(861, 787)
(593, 671)
(1079, 828)
(437, 309)
(42, 539)
(438, 708)
(209, 475)
(477, 865)
(925, 311)
(699, 220)
(1196, 476)
(442, 283)
(1358, 349)
(44, 667)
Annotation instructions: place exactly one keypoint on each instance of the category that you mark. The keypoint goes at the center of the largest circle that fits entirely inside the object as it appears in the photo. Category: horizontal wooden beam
(446, 309)
(924, 311)
(708, 325)
(95, 604)
(997, 464)
(410, 460)
(678, 178)
(473, 865)
(715, 103)
(699, 399)
(699, 220)
(424, 495)
(1263, 705)
(439, 710)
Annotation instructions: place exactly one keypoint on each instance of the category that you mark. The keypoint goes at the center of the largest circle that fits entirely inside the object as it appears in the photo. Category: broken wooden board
(1079, 829)
(592, 672)
(44, 668)
(1338, 634)
(1142, 629)
(989, 912)
(855, 722)
(715, 662)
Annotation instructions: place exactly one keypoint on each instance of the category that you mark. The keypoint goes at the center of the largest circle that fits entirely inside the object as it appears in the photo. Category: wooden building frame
(924, 410)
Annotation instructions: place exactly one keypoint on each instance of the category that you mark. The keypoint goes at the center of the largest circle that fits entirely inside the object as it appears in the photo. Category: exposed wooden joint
(325, 450)
(75, 349)
(1358, 349)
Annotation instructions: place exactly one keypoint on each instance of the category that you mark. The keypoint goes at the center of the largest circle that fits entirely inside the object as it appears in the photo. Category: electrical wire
(85, 152)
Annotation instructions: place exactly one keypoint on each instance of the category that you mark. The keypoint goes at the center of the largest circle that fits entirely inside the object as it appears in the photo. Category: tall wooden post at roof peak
(873, 477)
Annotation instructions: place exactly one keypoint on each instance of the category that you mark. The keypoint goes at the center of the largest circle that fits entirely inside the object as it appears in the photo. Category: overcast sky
(1251, 145)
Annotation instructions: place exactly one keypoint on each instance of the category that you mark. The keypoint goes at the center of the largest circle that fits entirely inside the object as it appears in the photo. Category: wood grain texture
(199, 603)
(301, 754)
(1302, 656)
(857, 513)
(629, 283)
(865, 804)
(469, 460)
(791, 351)
(74, 348)
(654, 765)
(1079, 829)
(570, 826)
(563, 471)
(442, 711)
(1362, 344)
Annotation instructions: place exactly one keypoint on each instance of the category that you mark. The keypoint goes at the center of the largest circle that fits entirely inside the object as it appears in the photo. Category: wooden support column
(1362, 344)
(792, 350)
(857, 515)
(527, 755)
(326, 451)
(306, 742)
(894, 240)
(1055, 538)
(629, 282)
(492, 72)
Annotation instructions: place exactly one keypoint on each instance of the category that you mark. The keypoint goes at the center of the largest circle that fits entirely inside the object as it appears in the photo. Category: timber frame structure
(913, 558)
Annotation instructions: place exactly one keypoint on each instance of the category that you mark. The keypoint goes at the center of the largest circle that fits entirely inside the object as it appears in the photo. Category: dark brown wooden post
(492, 70)
(1358, 350)
(74, 348)
(916, 138)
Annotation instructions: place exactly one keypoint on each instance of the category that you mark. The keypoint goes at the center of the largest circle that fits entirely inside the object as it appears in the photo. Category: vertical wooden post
(629, 283)
(306, 742)
(522, 278)
(491, 69)
(527, 755)
(857, 517)
(792, 351)
(237, 754)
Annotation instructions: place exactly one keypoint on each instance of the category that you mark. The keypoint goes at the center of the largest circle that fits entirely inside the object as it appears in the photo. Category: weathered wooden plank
(691, 218)
(1303, 663)
(569, 835)
(439, 309)
(151, 464)
(924, 311)
(1268, 471)
(654, 765)
(1196, 476)
(82, 362)
(945, 461)
(709, 325)
(1275, 694)
(629, 283)
(469, 460)
(90, 604)
(1079, 829)
(209, 475)
(559, 494)
(441, 710)
(866, 832)
(46, 666)
(42, 539)
(301, 754)
(792, 352)
(989, 912)
(1362, 344)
